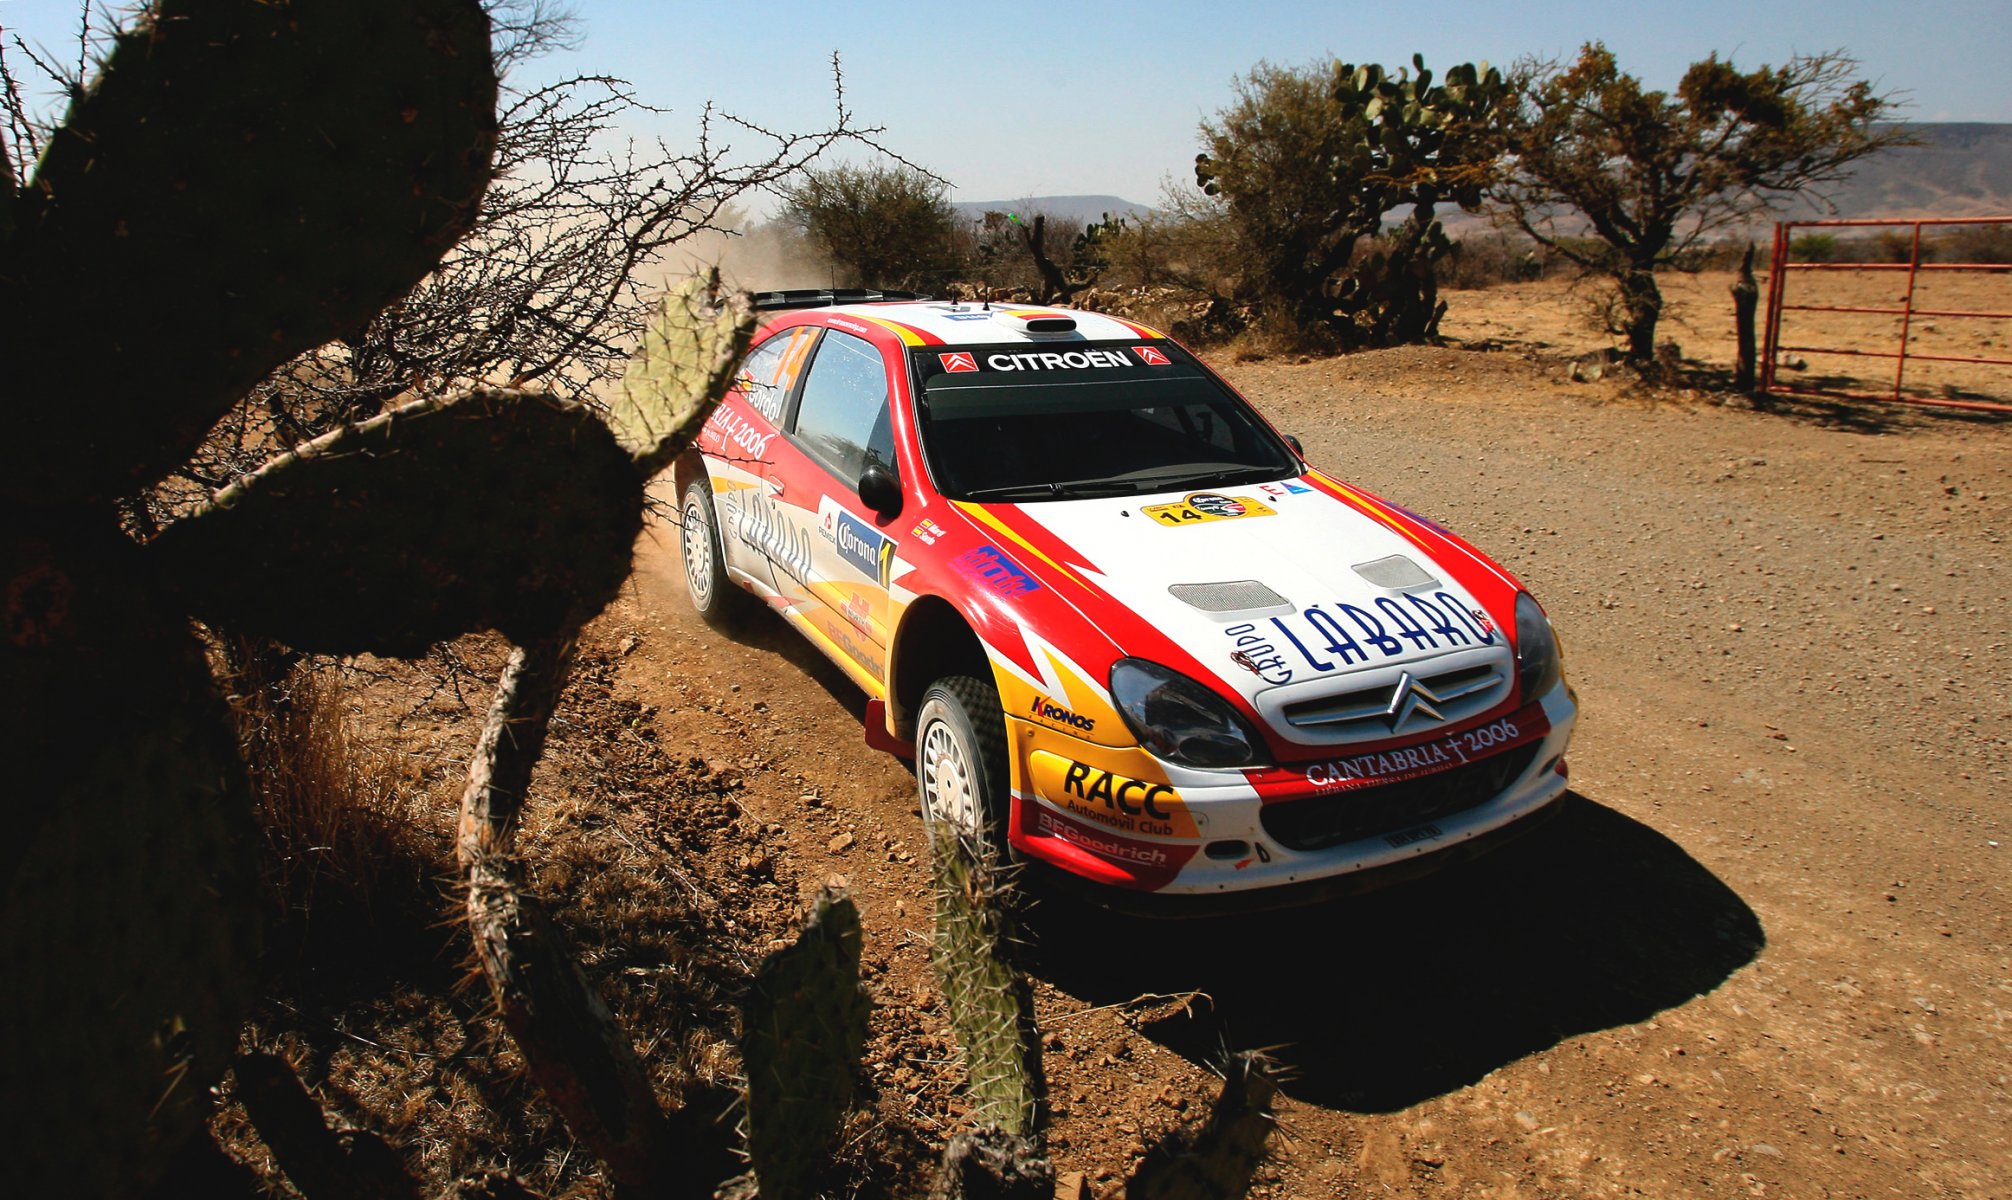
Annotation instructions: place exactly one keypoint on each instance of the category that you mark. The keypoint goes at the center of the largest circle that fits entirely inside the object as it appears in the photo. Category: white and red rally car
(1116, 620)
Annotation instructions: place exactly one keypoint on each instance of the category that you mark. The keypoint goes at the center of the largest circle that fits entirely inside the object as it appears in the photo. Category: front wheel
(718, 600)
(960, 761)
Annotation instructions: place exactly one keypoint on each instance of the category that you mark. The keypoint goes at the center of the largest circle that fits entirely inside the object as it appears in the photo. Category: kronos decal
(1062, 718)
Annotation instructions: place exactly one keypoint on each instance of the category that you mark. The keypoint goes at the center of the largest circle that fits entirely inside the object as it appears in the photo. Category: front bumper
(1206, 833)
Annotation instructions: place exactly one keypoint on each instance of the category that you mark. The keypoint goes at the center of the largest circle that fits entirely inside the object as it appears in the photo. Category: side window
(842, 419)
(771, 369)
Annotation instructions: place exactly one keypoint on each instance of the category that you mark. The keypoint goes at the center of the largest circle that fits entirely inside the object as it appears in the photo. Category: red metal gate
(1906, 315)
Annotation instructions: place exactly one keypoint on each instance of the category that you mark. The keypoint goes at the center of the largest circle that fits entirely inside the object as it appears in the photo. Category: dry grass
(347, 835)
(666, 890)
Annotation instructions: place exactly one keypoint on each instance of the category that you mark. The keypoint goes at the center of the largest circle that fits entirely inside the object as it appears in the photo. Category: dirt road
(1764, 952)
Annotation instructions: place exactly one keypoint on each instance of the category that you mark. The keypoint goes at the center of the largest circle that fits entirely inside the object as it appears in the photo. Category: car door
(739, 443)
(839, 426)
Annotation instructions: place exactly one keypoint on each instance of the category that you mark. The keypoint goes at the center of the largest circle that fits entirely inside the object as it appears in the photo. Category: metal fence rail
(1907, 312)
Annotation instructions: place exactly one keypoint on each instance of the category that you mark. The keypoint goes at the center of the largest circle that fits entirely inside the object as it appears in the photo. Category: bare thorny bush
(546, 291)
(543, 292)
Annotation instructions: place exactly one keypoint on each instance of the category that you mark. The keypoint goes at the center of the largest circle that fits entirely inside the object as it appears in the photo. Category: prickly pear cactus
(243, 180)
(804, 1024)
(991, 1005)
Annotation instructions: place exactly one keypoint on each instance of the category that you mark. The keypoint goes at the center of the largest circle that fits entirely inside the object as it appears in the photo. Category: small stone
(1526, 1121)
(1764, 1148)
(842, 843)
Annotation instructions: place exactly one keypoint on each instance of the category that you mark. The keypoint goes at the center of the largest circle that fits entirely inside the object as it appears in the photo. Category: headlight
(1539, 662)
(1181, 720)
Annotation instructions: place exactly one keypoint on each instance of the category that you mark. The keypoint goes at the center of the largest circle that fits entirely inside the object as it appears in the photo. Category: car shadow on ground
(1378, 1002)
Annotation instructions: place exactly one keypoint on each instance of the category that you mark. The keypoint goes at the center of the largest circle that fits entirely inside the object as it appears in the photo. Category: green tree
(881, 226)
(1308, 163)
(1652, 174)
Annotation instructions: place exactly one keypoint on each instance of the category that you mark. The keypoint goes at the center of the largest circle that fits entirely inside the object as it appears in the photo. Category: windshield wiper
(1075, 489)
(1015, 491)
(1233, 476)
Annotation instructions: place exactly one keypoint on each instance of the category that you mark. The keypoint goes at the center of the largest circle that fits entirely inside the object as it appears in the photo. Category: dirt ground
(1764, 952)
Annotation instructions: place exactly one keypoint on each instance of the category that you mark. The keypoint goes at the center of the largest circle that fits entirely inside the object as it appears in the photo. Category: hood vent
(1244, 597)
(1397, 573)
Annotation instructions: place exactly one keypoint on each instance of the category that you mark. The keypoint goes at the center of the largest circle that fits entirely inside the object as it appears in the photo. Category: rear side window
(842, 419)
(771, 370)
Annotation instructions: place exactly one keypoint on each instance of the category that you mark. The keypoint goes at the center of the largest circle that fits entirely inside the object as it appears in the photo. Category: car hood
(1302, 586)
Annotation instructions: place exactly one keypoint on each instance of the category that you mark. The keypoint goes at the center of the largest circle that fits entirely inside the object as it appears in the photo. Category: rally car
(1121, 627)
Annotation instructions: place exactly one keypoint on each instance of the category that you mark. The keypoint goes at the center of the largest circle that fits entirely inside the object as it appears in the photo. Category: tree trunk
(1643, 303)
(1746, 295)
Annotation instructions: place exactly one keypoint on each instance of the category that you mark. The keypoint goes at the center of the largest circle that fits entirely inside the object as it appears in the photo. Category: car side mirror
(880, 491)
(1298, 449)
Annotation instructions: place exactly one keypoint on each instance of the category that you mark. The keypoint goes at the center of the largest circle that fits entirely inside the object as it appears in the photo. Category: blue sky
(1007, 100)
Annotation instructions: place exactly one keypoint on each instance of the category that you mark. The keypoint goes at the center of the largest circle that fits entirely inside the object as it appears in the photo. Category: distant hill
(1070, 210)
(1958, 170)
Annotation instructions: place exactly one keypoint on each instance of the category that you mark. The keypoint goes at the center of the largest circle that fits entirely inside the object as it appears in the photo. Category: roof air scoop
(1036, 324)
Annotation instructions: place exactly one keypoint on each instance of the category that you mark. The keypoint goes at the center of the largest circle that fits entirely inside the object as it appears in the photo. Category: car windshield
(1068, 420)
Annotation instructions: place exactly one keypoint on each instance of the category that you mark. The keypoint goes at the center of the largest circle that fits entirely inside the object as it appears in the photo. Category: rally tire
(960, 761)
(718, 600)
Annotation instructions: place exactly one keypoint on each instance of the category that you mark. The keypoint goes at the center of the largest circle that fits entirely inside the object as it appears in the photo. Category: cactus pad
(686, 363)
(991, 1004)
(127, 914)
(805, 1022)
(242, 181)
(496, 509)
